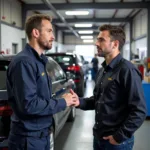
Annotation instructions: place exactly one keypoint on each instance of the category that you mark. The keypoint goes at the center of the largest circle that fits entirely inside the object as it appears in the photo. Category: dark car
(72, 63)
(85, 67)
(60, 84)
(85, 64)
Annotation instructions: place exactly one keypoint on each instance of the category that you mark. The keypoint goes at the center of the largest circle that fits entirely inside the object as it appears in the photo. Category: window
(65, 60)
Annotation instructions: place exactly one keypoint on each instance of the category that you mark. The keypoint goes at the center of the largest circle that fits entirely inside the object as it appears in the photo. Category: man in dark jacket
(94, 66)
(118, 98)
(30, 90)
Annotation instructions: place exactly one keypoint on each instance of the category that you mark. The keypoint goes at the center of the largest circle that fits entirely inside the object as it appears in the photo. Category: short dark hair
(35, 21)
(116, 33)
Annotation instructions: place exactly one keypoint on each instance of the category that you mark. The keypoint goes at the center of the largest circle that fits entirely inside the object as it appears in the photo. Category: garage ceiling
(115, 12)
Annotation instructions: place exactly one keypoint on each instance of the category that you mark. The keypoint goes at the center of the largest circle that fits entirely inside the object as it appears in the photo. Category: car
(85, 67)
(61, 83)
(72, 63)
(85, 64)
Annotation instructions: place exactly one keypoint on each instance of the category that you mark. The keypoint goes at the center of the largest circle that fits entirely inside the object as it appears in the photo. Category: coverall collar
(42, 58)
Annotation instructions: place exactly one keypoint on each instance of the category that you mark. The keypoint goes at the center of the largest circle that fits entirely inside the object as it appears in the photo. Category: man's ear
(35, 33)
(116, 44)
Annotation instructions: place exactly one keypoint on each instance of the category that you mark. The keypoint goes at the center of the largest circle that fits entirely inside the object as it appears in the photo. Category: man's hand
(111, 140)
(77, 103)
(70, 99)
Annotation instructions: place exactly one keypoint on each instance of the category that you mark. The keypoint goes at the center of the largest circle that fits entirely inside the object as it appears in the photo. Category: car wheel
(52, 139)
(72, 114)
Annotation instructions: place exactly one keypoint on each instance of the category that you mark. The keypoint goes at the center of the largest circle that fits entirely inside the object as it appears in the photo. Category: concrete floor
(78, 135)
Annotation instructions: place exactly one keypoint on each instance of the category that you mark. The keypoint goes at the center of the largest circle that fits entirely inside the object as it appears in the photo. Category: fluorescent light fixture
(83, 25)
(85, 32)
(86, 37)
(77, 12)
(87, 41)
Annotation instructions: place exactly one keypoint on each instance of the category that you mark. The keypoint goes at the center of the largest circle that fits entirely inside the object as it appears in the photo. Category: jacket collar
(34, 54)
(113, 63)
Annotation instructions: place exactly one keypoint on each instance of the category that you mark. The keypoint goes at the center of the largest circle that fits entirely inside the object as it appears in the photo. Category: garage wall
(140, 24)
(139, 43)
(126, 48)
(126, 51)
(73, 40)
(11, 36)
(60, 46)
(69, 48)
(9, 13)
(140, 33)
(11, 32)
(60, 37)
(127, 31)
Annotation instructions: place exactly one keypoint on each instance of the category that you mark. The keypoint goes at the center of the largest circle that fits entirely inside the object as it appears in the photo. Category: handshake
(71, 98)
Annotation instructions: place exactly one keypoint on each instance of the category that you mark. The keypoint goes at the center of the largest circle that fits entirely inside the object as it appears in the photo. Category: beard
(100, 53)
(45, 45)
(104, 52)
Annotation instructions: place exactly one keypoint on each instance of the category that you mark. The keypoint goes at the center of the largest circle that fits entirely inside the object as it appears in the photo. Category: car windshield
(64, 60)
(3, 68)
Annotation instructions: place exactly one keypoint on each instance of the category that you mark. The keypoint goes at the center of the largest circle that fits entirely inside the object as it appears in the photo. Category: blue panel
(146, 87)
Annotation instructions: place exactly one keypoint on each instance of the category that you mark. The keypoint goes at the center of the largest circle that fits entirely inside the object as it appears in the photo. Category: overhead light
(86, 37)
(87, 41)
(77, 12)
(85, 32)
(83, 25)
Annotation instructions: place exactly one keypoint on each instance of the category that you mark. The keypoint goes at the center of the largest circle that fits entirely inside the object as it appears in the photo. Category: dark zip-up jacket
(118, 100)
(30, 93)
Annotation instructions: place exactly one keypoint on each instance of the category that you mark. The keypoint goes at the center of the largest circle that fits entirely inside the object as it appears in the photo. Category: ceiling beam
(94, 14)
(50, 6)
(115, 13)
(70, 6)
(92, 20)
(70, 33)
(77, 29)
(136, 14)
(128, 17)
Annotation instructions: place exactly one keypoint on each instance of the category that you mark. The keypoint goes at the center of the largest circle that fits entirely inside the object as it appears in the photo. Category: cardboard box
(147, 79)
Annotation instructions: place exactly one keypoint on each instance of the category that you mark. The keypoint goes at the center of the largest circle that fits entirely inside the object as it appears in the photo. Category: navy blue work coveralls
(30, 96)
(118, 101)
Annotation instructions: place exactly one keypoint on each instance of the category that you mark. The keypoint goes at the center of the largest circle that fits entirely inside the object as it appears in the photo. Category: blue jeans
(105, 145)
